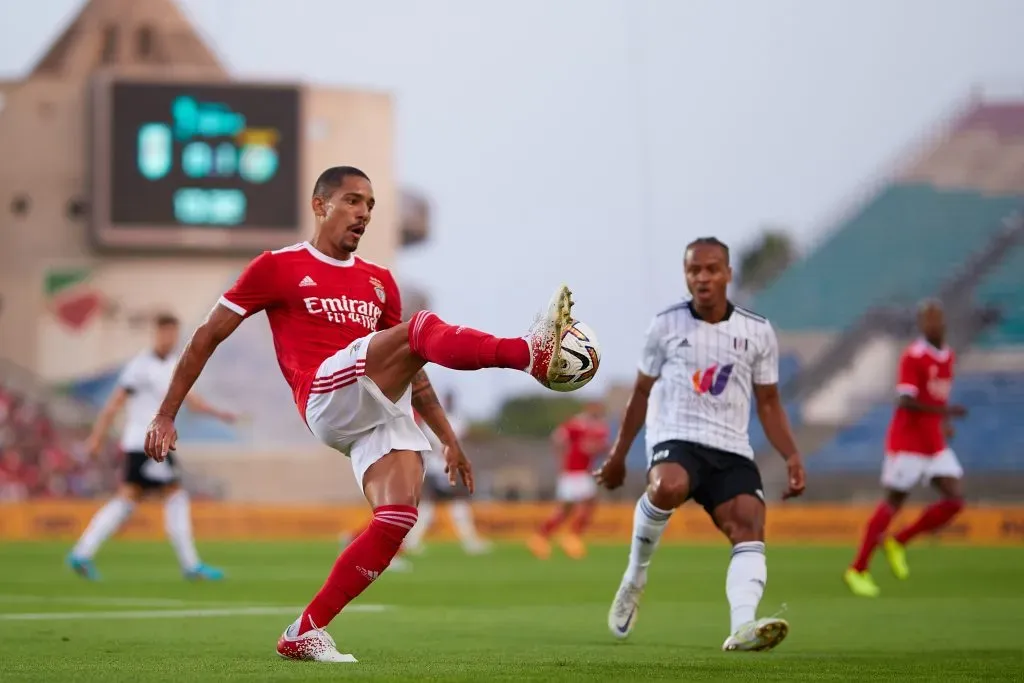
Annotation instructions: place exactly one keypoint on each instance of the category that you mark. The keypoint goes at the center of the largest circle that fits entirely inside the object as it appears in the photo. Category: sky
(587, 141)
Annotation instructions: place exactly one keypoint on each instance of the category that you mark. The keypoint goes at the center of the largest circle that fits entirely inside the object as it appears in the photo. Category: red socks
(934, 517)
(582, 521)
(463, 348)
(360, 564)
(553, 522)
(877, 525)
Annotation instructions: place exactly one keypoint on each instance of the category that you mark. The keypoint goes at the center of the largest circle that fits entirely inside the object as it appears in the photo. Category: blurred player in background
(139, 390)
(916, 451)
(704, 359)
(356, 372)
(579, 440)
(438, 491)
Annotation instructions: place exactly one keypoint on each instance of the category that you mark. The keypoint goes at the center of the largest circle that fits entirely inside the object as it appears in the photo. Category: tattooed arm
(426, 403)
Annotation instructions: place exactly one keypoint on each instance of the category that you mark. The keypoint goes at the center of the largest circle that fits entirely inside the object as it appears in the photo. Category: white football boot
(625, 608)
(312, 646)
(759, 635)
(545, 338)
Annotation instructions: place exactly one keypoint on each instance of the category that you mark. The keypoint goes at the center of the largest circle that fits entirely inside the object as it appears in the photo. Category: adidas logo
(307, 282)
(685, 344)
(644, 539)
(370, 575)
(660, 455)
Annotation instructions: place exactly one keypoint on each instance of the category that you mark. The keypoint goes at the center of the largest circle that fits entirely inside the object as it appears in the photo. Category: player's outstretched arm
(218, 326)
(106, 417)
(772, 415)
(613, 472)
(426, 403)
(198, 404)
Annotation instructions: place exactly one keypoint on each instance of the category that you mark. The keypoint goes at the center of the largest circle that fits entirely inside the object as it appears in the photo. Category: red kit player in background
(579, 439)
(356, 371)
(916, 451)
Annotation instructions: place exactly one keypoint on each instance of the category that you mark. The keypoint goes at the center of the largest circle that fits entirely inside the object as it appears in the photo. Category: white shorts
(346, 409)
(574, 487)
(903, 471)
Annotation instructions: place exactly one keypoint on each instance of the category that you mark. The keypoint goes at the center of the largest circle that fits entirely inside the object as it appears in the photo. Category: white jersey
(145, 379)
(706, 374)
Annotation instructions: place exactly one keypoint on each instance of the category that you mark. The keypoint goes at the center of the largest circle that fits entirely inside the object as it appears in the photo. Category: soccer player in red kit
(356, 372)
(580, 439)
(916, 451)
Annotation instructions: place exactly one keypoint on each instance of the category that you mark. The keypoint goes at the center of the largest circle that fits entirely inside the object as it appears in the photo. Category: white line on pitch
(86, 600)
(175, 613)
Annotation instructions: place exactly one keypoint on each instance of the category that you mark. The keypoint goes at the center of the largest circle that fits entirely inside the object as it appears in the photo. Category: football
(580, 357)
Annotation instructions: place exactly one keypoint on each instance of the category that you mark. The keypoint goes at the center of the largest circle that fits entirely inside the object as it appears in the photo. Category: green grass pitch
(505, 617)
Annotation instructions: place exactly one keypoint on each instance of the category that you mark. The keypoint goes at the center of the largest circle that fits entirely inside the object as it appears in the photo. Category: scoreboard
(195, 166)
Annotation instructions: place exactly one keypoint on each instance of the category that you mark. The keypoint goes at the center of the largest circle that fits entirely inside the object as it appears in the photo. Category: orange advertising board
(512, 521)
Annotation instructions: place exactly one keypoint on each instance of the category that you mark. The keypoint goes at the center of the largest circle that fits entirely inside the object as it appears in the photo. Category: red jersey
(925, 373)
(582, 439)
(316, 305)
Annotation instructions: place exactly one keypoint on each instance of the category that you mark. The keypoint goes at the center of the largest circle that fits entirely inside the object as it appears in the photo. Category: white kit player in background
(703, 362)
(139, 390)
(437, 491)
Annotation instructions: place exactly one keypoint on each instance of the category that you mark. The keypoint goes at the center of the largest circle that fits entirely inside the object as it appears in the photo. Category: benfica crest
(378, 289)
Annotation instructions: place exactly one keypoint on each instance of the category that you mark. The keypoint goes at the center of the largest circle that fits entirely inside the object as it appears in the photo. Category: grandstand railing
(960, 288)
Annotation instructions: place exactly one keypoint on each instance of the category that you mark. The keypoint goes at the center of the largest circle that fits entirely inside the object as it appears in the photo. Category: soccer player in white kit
(356, 372)
(703, 361)
(139, 390)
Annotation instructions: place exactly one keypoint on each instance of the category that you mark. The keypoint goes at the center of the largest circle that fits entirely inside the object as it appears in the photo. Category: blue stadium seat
(899, 248)
(990, 439)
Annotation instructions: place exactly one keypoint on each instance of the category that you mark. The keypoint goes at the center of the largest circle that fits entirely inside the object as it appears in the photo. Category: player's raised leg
(397, 354)
(668, 487)
(742, 521)
(392, 487)
(104, 524)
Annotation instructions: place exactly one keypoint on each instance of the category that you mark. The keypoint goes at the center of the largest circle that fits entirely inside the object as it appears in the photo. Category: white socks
(462, 520)
(104, 523)
(178, 523)
(414, 539)
(649, 523)
(745, 581)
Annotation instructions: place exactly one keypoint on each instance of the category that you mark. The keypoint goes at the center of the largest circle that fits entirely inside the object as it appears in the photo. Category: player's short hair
(709, 242)
(166, 320)
(929, 304)
(331, 179)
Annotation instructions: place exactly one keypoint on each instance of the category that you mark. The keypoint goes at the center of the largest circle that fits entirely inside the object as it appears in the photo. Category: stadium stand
(913, 237)
(41, 446)
(899, 248)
